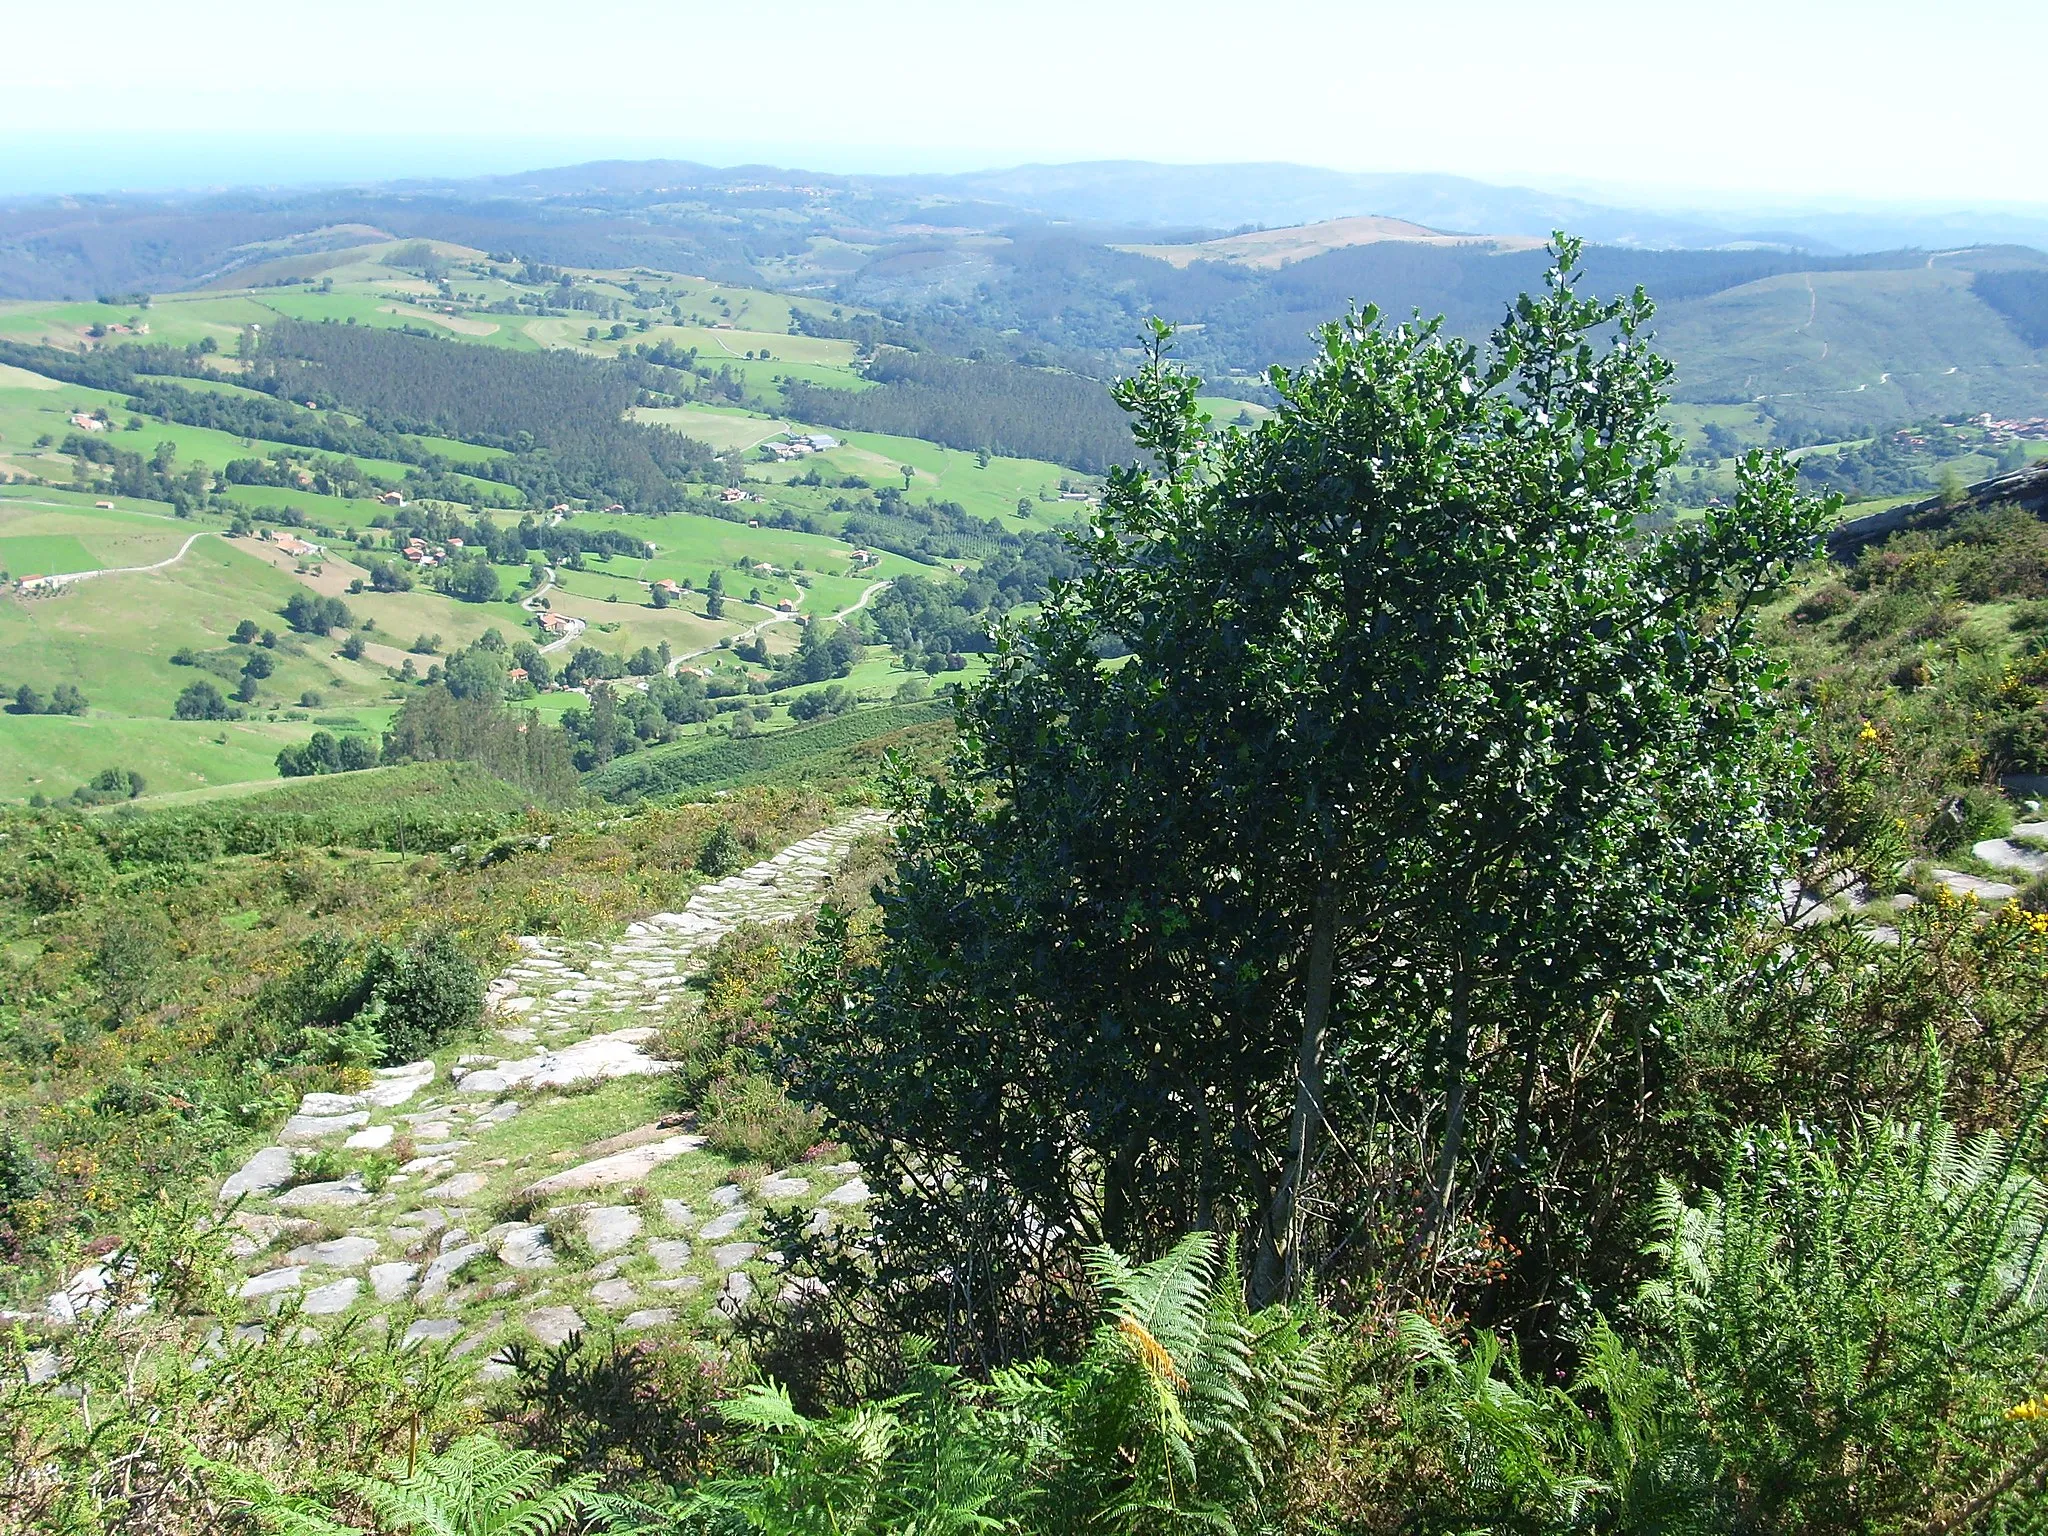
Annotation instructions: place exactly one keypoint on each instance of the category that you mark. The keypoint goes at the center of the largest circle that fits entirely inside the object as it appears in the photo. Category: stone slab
(627, 1167)
(266, 1170)
(553, 1325)
(327, 1300)
(608, 1228)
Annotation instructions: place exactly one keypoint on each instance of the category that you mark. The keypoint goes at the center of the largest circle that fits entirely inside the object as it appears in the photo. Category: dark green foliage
(200, 701)
(2021, 296)
(109, 786)
(561, 414)
(1422, 757)
(722, 854)
(822, 703)
(387, 1004)
(1023, 412)
(1855, 1324)
(64, 699)
(313, 615)
(132, 950)
(1167, 1422)
(623, 1411)
(23, 1178)
(324, 752)
(435, 726)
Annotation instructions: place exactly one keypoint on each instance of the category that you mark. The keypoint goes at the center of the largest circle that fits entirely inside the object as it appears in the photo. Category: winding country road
(50, 583)
(781, 618)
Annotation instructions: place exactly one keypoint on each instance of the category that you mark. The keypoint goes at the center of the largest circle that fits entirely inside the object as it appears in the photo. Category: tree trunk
(1457, 1065)
(1279, 1261)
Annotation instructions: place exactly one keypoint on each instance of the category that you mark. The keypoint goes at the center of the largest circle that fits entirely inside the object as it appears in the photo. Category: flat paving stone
(432, 1330)
(445, 1267)
(669, 1253)
(733, 1255)
(336, 1253)
(327, 1300)
(725, 1225)
(737, 1291)
(774, 1187)
(339, 1193)
(461, 1186)
(608, 1228)
(320, 1127)
(397, 1085)
(613, 1293)
(266, 1170)
(390, 1282)
(852, 1192)
(527, 1248)
(1973, 885)
(553, 1325)
(371, 1138)
(647, 1317)
(627, 1167)
(273, 1282)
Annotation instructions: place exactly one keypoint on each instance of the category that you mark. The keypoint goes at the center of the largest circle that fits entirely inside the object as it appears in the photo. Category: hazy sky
(1898, 100)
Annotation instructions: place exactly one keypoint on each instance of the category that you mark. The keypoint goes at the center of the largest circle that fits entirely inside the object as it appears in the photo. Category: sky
(1757, 102)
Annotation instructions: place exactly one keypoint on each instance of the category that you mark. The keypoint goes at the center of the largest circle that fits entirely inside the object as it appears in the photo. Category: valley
(692, 850)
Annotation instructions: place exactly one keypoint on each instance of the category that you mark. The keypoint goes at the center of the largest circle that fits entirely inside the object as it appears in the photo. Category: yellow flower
(2032, 1408)
(1868, 733)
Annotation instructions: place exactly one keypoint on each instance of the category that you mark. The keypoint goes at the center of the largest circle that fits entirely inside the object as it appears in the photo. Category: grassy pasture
(44, 554)
(87, 537)
(944, 474)
(53, 754)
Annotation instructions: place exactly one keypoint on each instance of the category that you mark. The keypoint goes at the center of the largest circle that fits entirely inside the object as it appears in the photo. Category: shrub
(424, 995)
(1824, 603)
(722, 853)
(1856, 1326)
(200, 701)
(1977, 813)
(749, 1118)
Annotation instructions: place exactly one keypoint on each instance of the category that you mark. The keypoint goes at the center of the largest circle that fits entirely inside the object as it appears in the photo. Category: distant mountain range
(1229, 196)
(1822, 321)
